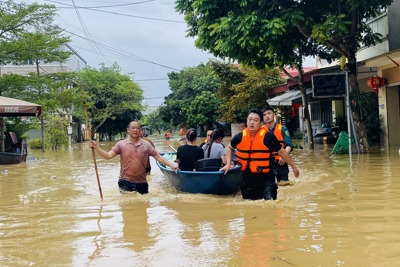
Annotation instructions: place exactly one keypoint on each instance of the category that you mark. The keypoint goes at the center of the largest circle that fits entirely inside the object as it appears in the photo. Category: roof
(307, 73)
(288, 98)
(11, 107)
(295, 73)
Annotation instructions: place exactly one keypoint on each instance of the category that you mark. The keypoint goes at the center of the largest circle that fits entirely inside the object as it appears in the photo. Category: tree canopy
(108, 93)
(278, 33)
(155, 122)
(193, 100)
(17, 22)
(243, 88)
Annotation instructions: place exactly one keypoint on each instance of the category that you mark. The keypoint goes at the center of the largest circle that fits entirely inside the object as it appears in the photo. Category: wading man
(254, 147)
(279, 168)
(134, 154)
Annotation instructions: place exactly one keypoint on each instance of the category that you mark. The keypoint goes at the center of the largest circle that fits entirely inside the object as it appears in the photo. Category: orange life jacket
(279, 136)
(253, 154)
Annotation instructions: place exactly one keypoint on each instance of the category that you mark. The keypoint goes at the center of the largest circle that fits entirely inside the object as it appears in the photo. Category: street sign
(329, 85)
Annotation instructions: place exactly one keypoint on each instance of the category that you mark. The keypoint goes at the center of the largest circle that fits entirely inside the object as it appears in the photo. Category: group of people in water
(262, 151)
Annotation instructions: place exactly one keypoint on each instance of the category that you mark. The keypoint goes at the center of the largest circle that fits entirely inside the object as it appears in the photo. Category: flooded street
(338, 213)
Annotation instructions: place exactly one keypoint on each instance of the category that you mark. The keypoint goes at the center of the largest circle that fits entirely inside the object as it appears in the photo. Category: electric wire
(67, 6)
(95, 49)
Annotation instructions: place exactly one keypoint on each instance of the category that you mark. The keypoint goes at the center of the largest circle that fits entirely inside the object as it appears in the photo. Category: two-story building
(382, 60)
(385, 57)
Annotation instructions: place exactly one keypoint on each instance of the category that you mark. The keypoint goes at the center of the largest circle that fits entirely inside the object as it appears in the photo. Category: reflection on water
(336, 214)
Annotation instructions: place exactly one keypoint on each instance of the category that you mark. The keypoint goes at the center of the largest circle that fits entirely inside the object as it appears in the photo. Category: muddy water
(338, 213)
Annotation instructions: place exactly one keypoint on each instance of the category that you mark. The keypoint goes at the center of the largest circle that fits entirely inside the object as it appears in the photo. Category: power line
(123, 53)
(95, 49)
(116, 5)
(115, 13)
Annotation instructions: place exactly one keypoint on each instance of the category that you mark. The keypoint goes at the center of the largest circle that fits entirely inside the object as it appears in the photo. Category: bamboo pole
(93, 152)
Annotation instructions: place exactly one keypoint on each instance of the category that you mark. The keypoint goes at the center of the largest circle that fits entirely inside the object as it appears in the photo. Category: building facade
(74, 63)
(382, 60)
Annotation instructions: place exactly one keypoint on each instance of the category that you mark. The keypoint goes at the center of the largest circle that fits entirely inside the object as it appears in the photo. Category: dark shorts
(126, 186)
(259, 186)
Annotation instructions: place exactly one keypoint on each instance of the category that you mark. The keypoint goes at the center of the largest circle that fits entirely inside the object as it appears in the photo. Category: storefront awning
(11, 107)
(288, 98)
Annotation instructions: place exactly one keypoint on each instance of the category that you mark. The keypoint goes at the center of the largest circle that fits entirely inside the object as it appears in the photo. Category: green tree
(193, 99)
(14, 85)
(17, 19)
(28, 32)
(344, 30)
(107, 93)
(243, 88)
(56, 133)
(155, 122)
(250, 33)
(283, 32)
(117, 125)
(42, 45)
(52, 91)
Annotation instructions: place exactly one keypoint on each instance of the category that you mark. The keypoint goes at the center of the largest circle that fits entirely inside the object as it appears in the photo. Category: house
(382, 60)
(385, 58)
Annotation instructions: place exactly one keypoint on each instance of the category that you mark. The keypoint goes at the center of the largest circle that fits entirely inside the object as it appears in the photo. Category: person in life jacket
(279, 167)
(254, 147)
(167, 135)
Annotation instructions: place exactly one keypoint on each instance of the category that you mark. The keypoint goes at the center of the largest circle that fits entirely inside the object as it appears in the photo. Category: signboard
(329, 85)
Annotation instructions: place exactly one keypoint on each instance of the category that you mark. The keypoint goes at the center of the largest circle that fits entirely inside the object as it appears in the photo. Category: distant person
(188, 154)
(148, 165)
(254, 146)
(182, 131)
(208, 137)
(134, 154)
(167, 135)
(167, 138)
(214, 147)
(280, 168)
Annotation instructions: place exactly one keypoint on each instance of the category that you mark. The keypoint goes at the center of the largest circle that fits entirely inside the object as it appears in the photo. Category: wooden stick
(173, 148)
(93, 153)
(97, 173)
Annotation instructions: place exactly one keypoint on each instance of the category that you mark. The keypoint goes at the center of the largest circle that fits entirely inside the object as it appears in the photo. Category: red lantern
(376, 82)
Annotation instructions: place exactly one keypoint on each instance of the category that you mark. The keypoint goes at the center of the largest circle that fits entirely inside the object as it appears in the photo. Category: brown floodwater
(340, 212)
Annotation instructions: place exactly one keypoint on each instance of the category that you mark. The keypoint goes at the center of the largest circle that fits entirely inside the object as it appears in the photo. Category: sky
(146, 38)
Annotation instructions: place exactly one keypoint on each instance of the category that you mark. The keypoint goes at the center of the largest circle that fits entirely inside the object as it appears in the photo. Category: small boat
(14, 157)
(205, 182)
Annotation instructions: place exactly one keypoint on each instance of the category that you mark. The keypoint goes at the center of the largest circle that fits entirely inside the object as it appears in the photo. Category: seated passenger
(214, 148)
(208, 138)
(188, 154)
